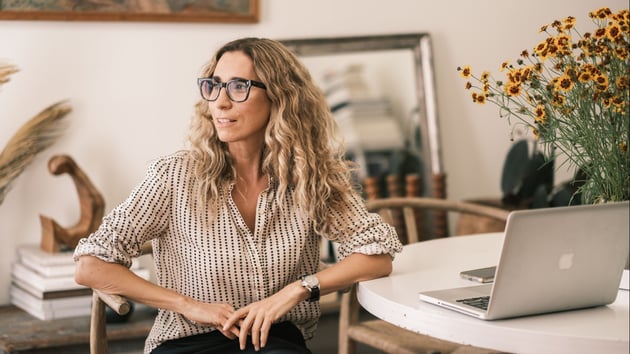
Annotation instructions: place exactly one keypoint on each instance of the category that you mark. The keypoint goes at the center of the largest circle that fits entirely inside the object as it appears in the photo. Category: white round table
(435, 264)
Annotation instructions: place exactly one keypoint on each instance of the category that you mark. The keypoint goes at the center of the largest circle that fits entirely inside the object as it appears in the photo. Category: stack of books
(43, 285)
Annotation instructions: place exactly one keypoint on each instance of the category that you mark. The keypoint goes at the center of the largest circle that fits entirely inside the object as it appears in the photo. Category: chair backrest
(407, 212)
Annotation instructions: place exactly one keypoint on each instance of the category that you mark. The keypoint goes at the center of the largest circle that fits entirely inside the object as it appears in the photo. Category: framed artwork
(222, 11)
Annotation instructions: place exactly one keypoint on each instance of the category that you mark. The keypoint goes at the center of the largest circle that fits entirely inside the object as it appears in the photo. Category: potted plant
(572, 94)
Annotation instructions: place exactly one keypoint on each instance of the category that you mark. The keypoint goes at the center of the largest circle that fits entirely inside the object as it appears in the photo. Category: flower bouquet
(572, 93)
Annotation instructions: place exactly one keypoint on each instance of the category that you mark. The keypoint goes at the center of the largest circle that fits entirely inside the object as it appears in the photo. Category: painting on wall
(224, 11)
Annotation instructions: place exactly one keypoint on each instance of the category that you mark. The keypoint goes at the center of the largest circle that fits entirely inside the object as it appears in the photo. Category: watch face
(310, 281)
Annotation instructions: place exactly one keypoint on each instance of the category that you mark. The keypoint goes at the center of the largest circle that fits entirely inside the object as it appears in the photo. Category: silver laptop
(553, 259)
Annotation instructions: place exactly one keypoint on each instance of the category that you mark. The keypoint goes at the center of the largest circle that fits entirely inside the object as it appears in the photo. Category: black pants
(284, 338)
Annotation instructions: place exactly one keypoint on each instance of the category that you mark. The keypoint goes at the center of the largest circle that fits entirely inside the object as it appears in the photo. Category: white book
(49, 271)
(45, 295)
(57, 264)
(50, 304)
(36, 255)
(51, 309)
(42, 284)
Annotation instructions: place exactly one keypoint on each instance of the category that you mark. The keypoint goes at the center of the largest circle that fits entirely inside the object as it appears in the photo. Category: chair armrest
(116, 302)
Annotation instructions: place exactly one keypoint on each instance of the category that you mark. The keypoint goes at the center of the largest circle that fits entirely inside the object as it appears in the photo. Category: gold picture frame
(220, 11)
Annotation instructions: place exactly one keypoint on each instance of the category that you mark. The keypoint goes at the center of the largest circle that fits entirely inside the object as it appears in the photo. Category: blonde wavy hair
(302, 151)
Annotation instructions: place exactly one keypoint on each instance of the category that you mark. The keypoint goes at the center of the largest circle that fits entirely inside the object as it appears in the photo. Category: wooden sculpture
(54, 236)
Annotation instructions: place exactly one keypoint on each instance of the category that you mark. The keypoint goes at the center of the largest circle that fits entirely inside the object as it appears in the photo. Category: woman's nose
(223, 100)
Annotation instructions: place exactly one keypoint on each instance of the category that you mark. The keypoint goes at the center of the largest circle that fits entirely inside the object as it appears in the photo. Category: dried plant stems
(5, 71)
(34, 136)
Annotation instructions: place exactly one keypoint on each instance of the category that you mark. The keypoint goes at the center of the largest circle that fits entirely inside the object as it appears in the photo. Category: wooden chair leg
(98, 329)
(348, 315)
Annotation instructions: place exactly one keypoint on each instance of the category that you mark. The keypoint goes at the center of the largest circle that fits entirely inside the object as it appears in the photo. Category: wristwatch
(311, 283)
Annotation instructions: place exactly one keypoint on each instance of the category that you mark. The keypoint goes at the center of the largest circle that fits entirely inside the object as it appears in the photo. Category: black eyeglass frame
(221, 85)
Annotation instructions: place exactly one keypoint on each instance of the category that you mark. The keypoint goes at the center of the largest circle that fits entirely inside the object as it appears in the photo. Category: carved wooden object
(90, 200)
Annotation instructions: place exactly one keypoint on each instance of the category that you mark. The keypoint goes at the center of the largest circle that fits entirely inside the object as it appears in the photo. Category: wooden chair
(380, 334)
(98, 323)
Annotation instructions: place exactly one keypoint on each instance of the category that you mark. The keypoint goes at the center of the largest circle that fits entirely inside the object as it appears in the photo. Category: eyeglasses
(237, 89)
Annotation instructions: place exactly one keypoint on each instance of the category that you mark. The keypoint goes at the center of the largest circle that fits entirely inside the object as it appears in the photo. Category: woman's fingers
(256, 332)
(244, 331)
(264, 332)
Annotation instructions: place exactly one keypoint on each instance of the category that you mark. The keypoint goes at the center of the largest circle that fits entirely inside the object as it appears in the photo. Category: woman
(236, 221)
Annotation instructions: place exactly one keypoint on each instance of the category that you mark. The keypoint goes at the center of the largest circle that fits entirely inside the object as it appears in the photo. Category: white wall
(132, 86)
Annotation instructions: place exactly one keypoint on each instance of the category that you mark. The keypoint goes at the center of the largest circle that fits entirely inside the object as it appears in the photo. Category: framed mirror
(397, 72)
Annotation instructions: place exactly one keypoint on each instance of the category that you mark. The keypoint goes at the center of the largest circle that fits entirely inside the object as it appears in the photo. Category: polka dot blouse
(219, 259)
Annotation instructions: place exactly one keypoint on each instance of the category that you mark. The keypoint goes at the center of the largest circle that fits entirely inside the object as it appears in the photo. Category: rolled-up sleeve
(140, 218)
(360, 231)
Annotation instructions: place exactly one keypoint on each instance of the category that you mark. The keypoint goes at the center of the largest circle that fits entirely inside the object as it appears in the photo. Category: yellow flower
(513, 89)
(536, 133)
(466, 71)
(621, 53)
(622, 83)
(585, 76)
(601, 14)
(540, 115)
(607, 102)
(558, 100)
(564, 83)
(600, 33)
(602, 82)
(478, 98)
(569, 22)
(542, 49)
(613, 32)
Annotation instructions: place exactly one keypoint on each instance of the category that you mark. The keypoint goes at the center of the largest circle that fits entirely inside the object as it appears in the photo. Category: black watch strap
(314, 294)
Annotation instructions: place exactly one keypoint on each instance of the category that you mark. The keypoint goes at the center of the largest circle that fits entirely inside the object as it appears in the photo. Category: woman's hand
(214, 315)
(256, 318)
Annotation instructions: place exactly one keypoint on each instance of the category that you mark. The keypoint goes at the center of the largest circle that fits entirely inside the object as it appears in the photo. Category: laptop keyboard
(479, 302)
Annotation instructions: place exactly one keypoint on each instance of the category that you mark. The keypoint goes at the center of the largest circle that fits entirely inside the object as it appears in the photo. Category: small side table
(22, 333)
